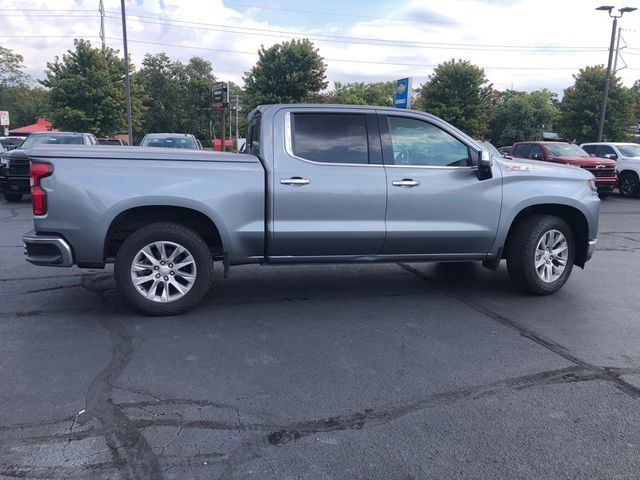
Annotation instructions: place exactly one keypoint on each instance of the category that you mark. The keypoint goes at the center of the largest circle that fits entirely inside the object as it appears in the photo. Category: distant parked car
(14, 165)
(171, 140)
(603, 169)
(627, 157)
(111, 141)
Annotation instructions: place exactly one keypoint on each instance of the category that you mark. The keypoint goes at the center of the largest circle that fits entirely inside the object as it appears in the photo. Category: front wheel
(629, 184)
(12, 197)
(163, 269)
(540, 254)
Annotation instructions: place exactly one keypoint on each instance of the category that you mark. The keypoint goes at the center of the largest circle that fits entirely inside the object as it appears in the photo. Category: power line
(338, 59)
(342, 14)
(289, 34)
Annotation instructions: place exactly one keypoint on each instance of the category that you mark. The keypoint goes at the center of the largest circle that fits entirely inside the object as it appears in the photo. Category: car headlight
(4, 161)
(592, 185)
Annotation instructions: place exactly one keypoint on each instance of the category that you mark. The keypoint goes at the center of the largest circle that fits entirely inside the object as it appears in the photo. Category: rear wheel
(629, 185)
(540, 254)
(12, 197)
(163, 269)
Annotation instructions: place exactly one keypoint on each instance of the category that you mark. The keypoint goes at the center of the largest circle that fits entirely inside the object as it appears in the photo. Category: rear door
(329, 185)
(436, 204)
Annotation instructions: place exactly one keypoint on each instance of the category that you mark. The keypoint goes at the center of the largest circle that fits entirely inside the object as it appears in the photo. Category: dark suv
(564, 153)
(14, 165)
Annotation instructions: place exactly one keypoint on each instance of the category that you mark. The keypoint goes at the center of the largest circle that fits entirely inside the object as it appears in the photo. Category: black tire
(521, 252)
(12, 197)
(164, 232)
(629, 185)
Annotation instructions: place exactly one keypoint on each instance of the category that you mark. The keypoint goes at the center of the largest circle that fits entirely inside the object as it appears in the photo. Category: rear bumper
(47, 250)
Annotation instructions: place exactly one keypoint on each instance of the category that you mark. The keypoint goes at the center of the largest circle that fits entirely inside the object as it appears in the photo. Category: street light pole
(607, 79)
(127, 84)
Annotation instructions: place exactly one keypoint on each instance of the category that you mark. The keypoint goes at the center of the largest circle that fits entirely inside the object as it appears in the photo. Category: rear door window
(330, 137)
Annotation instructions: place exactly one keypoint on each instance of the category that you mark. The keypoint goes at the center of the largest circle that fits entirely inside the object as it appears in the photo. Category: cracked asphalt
(399, 371)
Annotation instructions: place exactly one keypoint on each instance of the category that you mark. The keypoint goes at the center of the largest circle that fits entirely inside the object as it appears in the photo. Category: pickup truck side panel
(341, 210)
(231, 193)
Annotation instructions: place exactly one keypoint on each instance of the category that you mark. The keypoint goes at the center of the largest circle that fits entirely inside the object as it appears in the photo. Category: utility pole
(101, 9)
(237, 112)
(607, 79)
(127, 84)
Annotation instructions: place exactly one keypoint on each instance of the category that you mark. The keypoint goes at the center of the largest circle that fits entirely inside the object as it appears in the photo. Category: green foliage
(11, 74)
(177, 95)
(86, 91)
(522, 116)
(289, 72)
(635, 91)
(459, 93)
(23, 103)
(581, 104)
(380, 93)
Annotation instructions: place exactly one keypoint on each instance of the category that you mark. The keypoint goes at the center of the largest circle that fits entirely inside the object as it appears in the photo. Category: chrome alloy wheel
(163, 272)
(552, 253)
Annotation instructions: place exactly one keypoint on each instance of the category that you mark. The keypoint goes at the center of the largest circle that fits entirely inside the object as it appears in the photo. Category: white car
(627, 157)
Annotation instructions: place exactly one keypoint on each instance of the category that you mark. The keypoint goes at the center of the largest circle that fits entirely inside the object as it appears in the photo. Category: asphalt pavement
(397, 371)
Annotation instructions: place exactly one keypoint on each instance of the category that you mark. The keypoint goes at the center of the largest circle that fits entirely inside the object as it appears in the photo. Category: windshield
(565, 150)
(169, 142)
(33, 140)
(629, 150)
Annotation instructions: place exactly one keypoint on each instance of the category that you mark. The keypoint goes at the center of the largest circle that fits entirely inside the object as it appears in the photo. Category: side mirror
(484, 165)
(611, 156)
(537, 156)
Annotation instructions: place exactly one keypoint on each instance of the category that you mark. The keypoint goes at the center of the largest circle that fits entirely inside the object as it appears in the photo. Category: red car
(564, 153)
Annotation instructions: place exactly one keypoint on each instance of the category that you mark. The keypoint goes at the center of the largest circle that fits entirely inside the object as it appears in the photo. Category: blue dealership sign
(403, 93)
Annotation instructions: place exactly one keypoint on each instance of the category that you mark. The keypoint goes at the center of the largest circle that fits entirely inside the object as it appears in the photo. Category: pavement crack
(127, 444)
(600, 372)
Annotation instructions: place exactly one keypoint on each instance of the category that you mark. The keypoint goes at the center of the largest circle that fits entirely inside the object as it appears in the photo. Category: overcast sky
(521, 44)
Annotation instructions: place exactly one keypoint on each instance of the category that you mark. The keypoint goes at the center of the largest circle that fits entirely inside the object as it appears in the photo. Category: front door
(436, 204)
(329, 187)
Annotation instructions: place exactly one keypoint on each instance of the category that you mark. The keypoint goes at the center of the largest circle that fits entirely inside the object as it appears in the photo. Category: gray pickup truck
(318, 183)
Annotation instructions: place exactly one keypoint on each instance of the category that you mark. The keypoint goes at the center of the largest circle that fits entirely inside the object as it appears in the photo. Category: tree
(177, 95)
(289, 72)
(380, 93)
(459, 93)
(11, 74)
(581, 104)
(86, 91)
(523, 116)
(635, 91)
(23, 103)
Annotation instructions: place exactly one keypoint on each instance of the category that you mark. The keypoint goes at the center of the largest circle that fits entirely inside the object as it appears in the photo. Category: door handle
(405, 182)
(296, 181)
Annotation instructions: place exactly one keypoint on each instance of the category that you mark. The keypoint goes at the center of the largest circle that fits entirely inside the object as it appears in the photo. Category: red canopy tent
(42, 125)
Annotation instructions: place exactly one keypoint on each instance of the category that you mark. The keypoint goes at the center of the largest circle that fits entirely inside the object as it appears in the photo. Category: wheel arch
(576, 220)
(127, 221)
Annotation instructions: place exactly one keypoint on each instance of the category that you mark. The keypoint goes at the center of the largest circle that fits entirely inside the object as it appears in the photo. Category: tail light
(38, 171)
